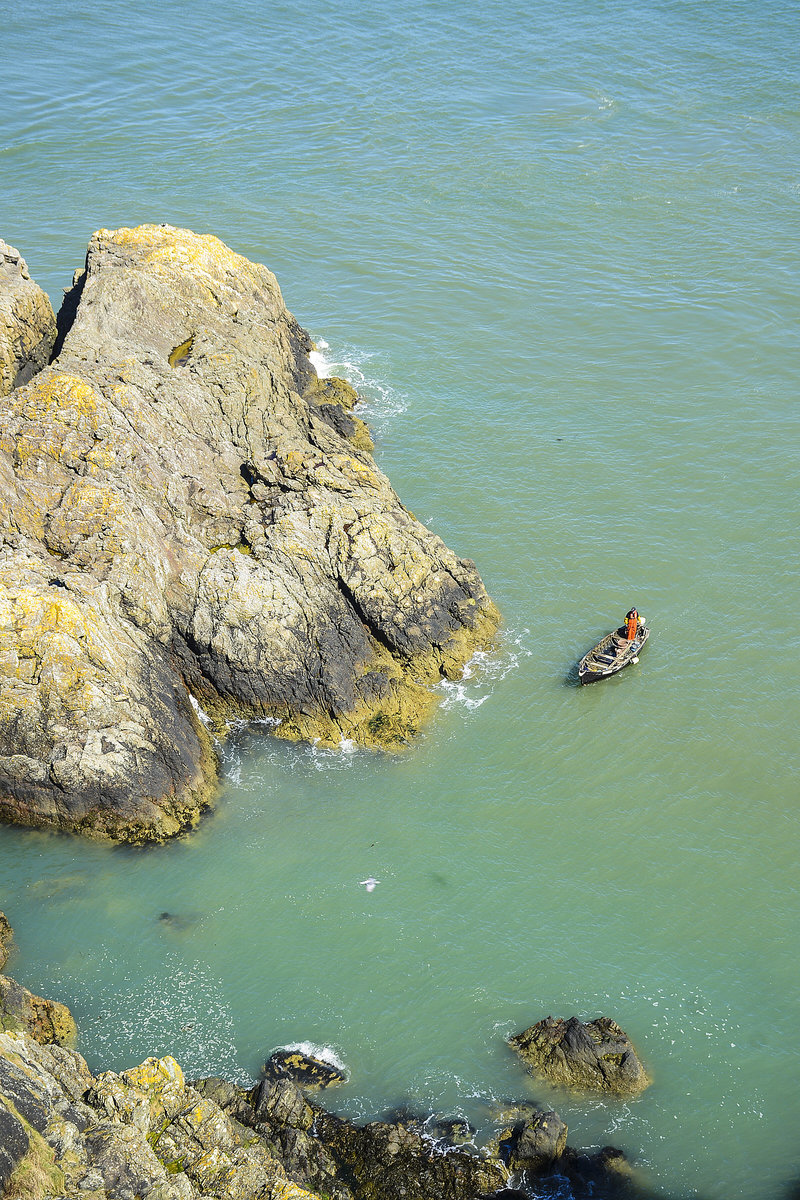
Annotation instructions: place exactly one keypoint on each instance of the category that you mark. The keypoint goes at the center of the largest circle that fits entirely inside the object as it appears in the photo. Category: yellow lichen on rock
(89, 509)
(165, 246)
(187, 510)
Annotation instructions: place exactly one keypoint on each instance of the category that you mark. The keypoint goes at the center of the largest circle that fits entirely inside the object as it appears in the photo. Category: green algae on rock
(6, 940)
(194, 531)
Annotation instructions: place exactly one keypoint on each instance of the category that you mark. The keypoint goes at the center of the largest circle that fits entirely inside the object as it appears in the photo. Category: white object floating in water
(370, 884)
(634, 660)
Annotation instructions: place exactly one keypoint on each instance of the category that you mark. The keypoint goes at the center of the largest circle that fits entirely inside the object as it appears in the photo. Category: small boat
(612, 653)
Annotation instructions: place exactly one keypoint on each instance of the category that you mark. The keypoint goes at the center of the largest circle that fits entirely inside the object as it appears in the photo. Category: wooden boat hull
(610, 655)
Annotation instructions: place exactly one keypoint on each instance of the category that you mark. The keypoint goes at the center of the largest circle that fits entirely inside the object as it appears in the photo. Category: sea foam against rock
(361, 368)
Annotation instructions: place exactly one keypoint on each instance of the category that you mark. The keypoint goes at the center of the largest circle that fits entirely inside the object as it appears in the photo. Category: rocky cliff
(147, 1132)
(193, 524)
(27, 322)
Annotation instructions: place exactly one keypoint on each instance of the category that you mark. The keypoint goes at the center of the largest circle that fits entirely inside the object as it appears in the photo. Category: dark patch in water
(179, 922)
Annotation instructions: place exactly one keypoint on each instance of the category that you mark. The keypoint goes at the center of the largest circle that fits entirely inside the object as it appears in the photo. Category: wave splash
(378, 400)
(483, 672)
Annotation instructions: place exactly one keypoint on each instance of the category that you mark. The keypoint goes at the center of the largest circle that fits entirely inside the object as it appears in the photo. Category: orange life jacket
(632, 627)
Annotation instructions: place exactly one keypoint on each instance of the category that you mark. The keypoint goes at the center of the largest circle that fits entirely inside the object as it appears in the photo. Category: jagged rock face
(396, 1160)
(6, 940)
(536, 1143)
(44, 1020)
(27, 322)
(142, 1133)
(596, 1055)
(185, 504)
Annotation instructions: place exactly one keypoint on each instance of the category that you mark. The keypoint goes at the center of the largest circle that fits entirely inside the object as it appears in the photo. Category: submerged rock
(27, 322)
(605, 1172)
(595, 1055)
(450, 1131)
(194, 530)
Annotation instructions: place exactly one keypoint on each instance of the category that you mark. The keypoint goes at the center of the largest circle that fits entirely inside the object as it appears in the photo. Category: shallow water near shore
(556, 250)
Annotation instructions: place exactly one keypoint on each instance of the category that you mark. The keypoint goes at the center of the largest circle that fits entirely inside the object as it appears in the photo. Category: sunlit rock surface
(593, 1055)
(27, 322)
(190, 514)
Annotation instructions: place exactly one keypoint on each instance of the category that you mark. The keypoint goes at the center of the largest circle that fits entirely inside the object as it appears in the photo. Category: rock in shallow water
(305, 1070)
(595, 1055)
(189, 514)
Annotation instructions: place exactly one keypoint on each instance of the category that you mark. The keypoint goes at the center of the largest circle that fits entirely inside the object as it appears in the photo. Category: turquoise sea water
(556, 246)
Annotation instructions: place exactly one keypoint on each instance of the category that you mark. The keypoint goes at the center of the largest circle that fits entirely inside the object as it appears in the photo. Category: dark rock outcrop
(596, 1055)
(44, 1020)
(27, 322)
(395, 1160)
(305, 1070)
(535, 1143)
(190, 517)
(14, 1143)
(6, 940)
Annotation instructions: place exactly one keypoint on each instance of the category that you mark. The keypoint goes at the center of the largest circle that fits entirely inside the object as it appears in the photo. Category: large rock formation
(595, 1055)
(192, 521)
(27, 322)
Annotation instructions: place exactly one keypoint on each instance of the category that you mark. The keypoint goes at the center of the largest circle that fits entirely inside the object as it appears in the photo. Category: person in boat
(631, 624)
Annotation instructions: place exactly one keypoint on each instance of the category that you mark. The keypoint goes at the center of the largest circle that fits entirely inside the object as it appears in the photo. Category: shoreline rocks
(194, 532)
(595, 1055)
(43, 1020)
(27, 322)
(6, 940)
(149, 1132)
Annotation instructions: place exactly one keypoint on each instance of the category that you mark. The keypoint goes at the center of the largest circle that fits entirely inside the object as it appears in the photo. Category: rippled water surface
(556, 246)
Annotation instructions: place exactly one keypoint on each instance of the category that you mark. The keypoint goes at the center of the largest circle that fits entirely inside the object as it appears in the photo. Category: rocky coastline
(149, 1132)
(194, 532)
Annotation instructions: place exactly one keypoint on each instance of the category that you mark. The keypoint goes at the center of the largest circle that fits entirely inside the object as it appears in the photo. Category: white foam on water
(182, 1012)
(331, 758)
(325, 1054)
(318, 360)
(483, 672)
(377, 399)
